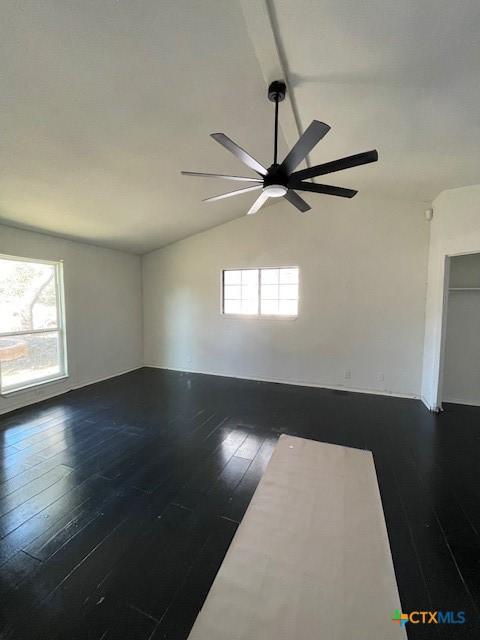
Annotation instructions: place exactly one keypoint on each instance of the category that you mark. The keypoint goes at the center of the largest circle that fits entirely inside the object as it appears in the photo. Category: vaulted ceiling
(103, 103)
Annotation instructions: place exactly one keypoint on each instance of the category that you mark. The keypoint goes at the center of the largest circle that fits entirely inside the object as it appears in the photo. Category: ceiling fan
(282, 179)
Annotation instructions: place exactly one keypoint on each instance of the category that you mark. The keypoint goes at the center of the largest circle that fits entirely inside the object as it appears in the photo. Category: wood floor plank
(10, 500)
(182, 611)
(24, 511)
(15, 570)
(240, 499)
(27, 476)
(54, 512)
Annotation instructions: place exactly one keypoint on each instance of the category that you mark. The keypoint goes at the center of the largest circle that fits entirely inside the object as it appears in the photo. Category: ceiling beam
(262, 27)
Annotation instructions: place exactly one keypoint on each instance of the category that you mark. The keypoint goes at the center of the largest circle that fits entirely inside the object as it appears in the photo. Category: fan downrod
(277, 91)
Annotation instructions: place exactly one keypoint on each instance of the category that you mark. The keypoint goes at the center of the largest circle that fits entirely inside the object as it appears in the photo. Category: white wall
(103, 299)
(461, 371)
(454, 230)
(363, 274)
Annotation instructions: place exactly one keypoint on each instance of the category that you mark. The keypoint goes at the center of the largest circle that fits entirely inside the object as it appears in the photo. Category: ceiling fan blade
(233, 193)
(336, 165)
(218, 175)
(240, 153)
(297, 201)
(323, 188)
(312, 134)
(259, 202)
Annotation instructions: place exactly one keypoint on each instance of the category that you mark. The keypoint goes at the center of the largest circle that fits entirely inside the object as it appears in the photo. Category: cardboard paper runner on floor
(311, 558)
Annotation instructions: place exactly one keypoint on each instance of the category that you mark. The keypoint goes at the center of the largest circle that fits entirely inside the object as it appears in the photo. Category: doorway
(460, 380)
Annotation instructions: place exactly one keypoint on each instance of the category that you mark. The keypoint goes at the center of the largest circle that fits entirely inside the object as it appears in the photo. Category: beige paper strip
(311, 558)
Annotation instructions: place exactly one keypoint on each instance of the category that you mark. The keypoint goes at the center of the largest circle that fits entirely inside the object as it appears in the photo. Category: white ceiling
(402, 77)
(103, 103)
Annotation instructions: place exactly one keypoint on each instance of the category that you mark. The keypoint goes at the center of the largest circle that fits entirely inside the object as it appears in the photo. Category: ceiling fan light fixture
(275, 190)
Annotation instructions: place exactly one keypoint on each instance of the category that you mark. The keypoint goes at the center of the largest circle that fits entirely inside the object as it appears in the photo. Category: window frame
(277, 317)
(60, 328)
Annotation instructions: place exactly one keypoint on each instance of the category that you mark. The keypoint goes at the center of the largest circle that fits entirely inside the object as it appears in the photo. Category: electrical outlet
(348, 374)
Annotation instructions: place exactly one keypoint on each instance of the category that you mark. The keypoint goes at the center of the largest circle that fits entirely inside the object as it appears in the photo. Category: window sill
(33, 385)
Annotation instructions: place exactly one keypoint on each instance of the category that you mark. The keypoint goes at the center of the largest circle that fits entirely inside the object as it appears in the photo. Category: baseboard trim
(113, 375)
(70, 387)
(469, 403)
(295, 383)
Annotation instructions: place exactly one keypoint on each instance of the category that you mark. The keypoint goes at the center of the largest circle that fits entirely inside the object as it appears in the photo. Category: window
(240, 291)
(32, 332)
(279, 292)
(264, 292)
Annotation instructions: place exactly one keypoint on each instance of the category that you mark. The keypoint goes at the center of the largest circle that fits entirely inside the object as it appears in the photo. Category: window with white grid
(261, 292)
(240, 292)
(279, 292)
(32, 323)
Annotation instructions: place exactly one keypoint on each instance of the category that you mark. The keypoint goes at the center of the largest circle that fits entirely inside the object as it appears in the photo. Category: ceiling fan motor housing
(275, 175)
(275, 182)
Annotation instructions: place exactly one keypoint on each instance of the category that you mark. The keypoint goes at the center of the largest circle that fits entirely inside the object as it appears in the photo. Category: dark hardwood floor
(118, 501)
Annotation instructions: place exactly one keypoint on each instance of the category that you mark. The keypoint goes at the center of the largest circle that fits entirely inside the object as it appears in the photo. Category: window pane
(28, 358)
(28, 296)
(249, 307)
(44, 311)
(269, 276)
(289, 276)
(233, 292)
(288, 291)
(232, 277)
(269, 292)
(232, 306)
(288, 307)
(269, 307)
(245, 294)
(249, 292)
(250, 276)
